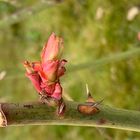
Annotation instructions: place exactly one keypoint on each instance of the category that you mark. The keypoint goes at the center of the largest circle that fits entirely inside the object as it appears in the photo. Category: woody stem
(12, 114)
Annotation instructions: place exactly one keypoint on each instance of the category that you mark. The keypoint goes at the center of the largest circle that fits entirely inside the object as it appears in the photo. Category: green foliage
(86, 38)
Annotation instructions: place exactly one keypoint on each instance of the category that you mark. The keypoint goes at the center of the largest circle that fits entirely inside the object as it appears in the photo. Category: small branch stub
(3, 120)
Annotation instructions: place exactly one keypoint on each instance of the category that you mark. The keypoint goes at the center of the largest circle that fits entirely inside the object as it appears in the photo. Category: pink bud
(45, 75)
(53, 49)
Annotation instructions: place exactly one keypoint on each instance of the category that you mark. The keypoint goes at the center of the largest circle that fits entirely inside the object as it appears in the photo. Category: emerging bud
(53, 49)
(45, 74)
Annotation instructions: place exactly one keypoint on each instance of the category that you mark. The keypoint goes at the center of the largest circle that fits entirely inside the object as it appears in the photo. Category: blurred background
(92, 32)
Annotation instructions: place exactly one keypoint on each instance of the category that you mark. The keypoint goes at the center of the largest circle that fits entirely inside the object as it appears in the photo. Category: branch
(106, 60)
(27, 12)
(12, 114)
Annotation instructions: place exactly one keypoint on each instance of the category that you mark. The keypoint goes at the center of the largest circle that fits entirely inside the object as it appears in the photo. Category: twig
(27, 12)
(106, 60)
(41, 114)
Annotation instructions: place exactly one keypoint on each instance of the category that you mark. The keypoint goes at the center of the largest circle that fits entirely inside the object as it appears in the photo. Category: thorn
(97, 103)
(89, 96)
(61, 108)
(87, 89)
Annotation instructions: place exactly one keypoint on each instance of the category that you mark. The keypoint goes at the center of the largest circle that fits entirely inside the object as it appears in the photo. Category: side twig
(106, 60)
(27, 12)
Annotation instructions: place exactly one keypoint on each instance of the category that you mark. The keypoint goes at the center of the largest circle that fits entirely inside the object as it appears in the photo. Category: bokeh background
(91, 30)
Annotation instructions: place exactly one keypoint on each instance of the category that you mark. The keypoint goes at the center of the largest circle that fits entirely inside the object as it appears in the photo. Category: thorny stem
(41, 114)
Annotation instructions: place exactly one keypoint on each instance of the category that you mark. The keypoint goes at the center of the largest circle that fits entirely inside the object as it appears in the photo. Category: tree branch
(27, 12)
(40, 114)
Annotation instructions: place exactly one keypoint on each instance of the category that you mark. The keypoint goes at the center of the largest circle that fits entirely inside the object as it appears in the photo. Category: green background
(87, 37)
